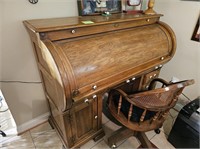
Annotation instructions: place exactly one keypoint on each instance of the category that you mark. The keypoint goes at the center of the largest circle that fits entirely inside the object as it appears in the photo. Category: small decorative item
(133, 6)
(33, 1)
(133, 2)
(196, 33)
(150, 8)
(94, 7)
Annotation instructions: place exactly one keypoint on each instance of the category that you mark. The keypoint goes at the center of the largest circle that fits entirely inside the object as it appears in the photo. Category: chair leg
(145, 143)
(119, 135)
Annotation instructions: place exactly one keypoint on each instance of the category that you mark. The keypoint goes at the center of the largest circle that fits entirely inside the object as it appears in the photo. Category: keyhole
(33, 1)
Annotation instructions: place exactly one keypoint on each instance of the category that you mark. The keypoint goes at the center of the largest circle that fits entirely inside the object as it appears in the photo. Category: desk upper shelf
(43, 25)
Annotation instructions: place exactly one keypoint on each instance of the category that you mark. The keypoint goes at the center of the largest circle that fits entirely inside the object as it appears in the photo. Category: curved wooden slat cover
(105, 56)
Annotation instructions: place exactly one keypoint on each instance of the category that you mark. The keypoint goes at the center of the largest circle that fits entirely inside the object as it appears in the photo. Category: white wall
(27, 101)
(182, 16)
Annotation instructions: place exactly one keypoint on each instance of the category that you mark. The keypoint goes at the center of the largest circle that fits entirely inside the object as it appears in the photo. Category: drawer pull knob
(148, 20)
(73, 31)
(156, 67)
(133, 79)
(95, 117)
(94, 96)
(162, 58)
(128, 81)
(86, 100)
(94, 87)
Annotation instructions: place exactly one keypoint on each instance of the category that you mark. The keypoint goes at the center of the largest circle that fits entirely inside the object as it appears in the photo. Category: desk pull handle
(73, 31)
(94, 87)
(94, 96)
(86, 100)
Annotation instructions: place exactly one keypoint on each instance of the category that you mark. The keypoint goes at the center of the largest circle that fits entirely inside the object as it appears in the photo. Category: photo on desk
(96, 7)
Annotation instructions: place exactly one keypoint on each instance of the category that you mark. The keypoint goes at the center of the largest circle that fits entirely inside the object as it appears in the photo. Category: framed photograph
(95, 7)
(196, 33)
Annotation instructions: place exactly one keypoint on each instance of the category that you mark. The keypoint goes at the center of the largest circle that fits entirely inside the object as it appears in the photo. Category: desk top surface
(42, 25)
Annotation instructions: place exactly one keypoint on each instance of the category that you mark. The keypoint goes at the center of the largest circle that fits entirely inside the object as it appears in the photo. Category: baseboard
(33, 123)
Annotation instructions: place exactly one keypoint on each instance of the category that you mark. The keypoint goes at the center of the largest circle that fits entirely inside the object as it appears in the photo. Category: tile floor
(44, 137)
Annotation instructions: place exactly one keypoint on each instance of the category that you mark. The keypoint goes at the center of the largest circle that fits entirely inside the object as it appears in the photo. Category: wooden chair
(143, 111)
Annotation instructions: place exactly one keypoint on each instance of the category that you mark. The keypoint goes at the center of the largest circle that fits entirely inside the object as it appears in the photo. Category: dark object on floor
(185, 132)
(2, 133)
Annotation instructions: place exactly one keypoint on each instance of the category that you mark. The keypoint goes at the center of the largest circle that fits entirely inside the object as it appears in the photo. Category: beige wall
(27, 101)
(182, 17)
(1, 8)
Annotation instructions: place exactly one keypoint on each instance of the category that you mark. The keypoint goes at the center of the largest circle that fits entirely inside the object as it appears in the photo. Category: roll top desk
(80, 62)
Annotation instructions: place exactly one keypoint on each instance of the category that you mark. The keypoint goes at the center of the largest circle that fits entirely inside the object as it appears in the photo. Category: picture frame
(196, 33)
(97, 7)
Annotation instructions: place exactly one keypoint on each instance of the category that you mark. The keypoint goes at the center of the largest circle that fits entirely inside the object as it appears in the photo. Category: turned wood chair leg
(119, 135)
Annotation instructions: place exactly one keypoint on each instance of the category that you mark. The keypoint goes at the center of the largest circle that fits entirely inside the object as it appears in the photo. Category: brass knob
(133, 79)
(162, 58)
(94, 96)
(156, 67)
(128, 81)
(86, 100)
(73, 31)
(148, 20)
(95, 117)
(94, 87)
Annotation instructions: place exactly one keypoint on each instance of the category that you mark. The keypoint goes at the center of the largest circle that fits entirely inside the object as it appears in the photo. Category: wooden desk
(80, 62)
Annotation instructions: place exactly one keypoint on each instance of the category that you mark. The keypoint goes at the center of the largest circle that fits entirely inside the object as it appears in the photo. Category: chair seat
(150, 101)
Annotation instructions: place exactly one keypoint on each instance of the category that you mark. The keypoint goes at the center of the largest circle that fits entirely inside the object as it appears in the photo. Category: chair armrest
(152, 83)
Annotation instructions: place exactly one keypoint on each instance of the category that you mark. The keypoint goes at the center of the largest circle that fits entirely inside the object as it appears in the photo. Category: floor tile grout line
(152, 136)
(122, 142)
(172, 115)
(32, 139)
(43, 133)
(97, 143)
(106, 122)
